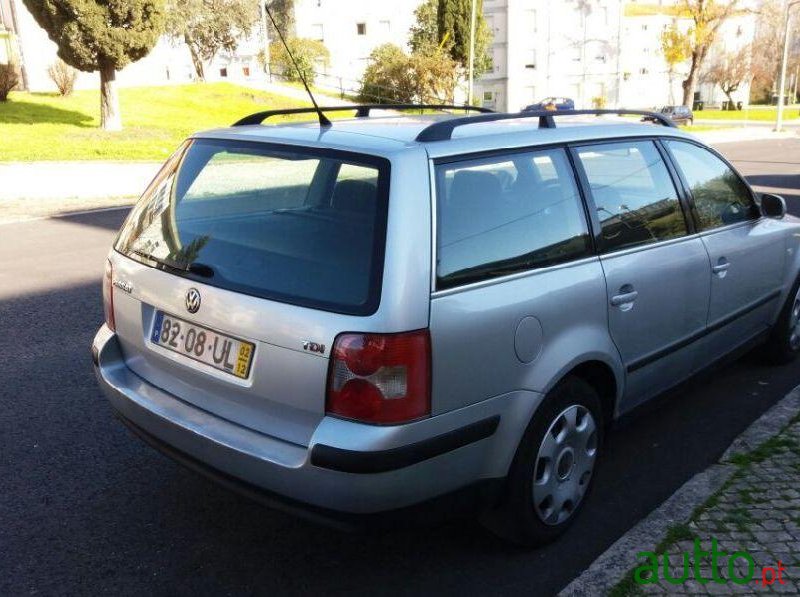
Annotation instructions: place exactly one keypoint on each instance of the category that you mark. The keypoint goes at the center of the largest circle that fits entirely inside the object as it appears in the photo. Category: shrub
(9, 78)
(395, 77)
(599, 102)
(63, 75)
(308, 53)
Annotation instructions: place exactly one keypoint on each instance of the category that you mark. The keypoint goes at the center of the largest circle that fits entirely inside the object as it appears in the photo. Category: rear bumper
(348, 469)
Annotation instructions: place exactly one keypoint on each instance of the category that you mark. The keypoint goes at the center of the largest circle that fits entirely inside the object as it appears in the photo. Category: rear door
(237, 269)
(517, 288)
(656, 270)
(746, 251)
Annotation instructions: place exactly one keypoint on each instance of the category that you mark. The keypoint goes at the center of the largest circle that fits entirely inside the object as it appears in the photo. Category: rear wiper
(201, 269)
(196, 267)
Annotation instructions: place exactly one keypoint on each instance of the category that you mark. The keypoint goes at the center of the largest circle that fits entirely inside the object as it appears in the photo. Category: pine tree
(453, 18)
(101, 35)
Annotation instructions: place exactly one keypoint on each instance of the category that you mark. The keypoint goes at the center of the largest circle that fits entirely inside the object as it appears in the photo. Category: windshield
(295, 225)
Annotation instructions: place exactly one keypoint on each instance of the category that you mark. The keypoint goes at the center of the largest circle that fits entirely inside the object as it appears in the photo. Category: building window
(530, 59)
(488, 96)
(644, 27)
(246, 71)
(223, 72)
(361, 28)
(643, 71)
(530, 21)
(317, 32)
(385, 26)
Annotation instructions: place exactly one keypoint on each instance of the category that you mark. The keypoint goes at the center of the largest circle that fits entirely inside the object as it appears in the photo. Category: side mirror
(773, 206)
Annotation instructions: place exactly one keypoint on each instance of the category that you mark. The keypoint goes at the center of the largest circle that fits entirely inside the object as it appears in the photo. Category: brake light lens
(108, 296)
(380, 378)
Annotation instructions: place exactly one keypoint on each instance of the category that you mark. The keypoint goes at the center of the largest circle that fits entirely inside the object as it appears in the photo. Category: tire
(783, 344)
(524, 516)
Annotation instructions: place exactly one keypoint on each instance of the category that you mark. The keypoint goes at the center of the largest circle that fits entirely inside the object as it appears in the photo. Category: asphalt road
(86, 508)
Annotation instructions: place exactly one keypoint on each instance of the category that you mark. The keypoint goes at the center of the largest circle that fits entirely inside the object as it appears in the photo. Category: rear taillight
(380, 378)
(108, 296)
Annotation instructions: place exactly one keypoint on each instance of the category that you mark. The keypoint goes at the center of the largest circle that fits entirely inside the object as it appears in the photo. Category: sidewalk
(735, 526)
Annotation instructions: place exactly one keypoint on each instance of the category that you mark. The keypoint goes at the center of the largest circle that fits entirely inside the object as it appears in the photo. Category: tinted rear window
(294, 225)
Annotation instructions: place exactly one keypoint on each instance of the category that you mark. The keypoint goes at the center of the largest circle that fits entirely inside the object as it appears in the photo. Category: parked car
(383, 313)
(678, 114)
(552, 103)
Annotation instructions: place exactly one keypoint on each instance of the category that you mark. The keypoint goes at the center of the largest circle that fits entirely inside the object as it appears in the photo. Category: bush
(63, 75)
(307, 52)
(395, 77)
(9, 78)
(599, 102)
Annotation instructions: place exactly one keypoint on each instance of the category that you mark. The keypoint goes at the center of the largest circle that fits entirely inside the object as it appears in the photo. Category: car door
(746, 251)
(656, 270)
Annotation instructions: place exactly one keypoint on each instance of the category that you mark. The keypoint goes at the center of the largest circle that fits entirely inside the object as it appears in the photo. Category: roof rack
(361, 110)
(443, 130)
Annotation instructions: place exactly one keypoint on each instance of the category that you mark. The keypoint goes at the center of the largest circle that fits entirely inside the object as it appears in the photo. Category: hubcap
(565, 462)
(794, 323)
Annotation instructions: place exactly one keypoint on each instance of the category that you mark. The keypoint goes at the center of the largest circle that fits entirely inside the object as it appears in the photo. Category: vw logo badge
(193, 300)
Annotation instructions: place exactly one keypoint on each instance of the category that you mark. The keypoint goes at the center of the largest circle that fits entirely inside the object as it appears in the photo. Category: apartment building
(593, 51)
(351, 29)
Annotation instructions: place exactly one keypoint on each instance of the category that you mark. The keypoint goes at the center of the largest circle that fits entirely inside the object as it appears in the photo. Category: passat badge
(193, 300)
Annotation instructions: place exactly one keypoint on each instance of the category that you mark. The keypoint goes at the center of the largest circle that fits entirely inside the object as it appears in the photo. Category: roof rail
(442, 130)
(361, 110)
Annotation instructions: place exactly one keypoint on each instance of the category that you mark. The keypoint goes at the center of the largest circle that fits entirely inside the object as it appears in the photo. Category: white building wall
(351, 29)
(587, 49)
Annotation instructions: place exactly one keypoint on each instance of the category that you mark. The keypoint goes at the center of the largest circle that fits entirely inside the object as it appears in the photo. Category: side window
(633, 194)
(720, 196)
(507, 214)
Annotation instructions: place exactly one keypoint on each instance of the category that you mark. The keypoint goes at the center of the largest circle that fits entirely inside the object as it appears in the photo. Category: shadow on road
(87, 505)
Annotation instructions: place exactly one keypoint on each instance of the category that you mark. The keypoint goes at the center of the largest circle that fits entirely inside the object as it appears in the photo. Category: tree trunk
(197, 61)
(109, 101)
(690, 83)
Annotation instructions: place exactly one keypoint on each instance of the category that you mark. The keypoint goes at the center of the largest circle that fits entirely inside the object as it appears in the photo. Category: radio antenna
(323, 120)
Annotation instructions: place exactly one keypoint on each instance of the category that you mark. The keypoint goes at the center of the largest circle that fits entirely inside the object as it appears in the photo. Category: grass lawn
(764, 113)
(44, 126)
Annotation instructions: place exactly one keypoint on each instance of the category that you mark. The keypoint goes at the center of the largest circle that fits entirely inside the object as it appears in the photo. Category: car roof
(387, 135)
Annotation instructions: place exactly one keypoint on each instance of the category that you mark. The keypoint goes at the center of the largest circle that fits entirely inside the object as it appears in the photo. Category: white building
(592, 51)
(351, 29)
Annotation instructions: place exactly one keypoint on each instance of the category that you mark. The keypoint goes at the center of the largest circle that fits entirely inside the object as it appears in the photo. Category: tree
(424, 33)
(454, 19)
(283, 13)
(707, 17)
(676, 49)
(208, 26)
(101, 35)
(393, 76)
(766, 62)
(307, 52)
(729, 71)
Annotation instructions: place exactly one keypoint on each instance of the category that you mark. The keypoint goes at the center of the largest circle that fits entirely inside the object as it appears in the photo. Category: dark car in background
(552, 103)
(678, 114)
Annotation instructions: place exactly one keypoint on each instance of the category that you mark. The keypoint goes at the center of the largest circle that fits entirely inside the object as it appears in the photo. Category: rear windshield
(301, 226)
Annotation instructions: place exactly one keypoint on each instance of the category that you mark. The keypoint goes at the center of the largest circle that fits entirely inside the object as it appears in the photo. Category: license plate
(201, 344)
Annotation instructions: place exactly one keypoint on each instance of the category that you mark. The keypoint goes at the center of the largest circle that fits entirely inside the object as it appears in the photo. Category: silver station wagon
(392, 312)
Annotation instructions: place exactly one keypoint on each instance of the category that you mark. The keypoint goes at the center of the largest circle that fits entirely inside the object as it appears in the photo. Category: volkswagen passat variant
(363, 317)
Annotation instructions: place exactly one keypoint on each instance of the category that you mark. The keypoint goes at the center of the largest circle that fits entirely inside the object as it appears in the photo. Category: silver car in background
(392, 312)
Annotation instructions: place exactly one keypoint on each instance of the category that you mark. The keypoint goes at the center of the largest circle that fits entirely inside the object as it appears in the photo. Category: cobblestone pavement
(754, 519)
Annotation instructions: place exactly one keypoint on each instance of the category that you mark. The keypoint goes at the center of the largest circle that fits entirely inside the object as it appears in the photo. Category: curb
(613, 564)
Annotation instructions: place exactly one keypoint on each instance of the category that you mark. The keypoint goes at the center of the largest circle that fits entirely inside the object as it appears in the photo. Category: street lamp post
(784, 60)
(471, 68)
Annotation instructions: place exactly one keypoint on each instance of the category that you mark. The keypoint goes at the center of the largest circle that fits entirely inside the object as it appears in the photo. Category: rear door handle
(721, 267)
(624, 299)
